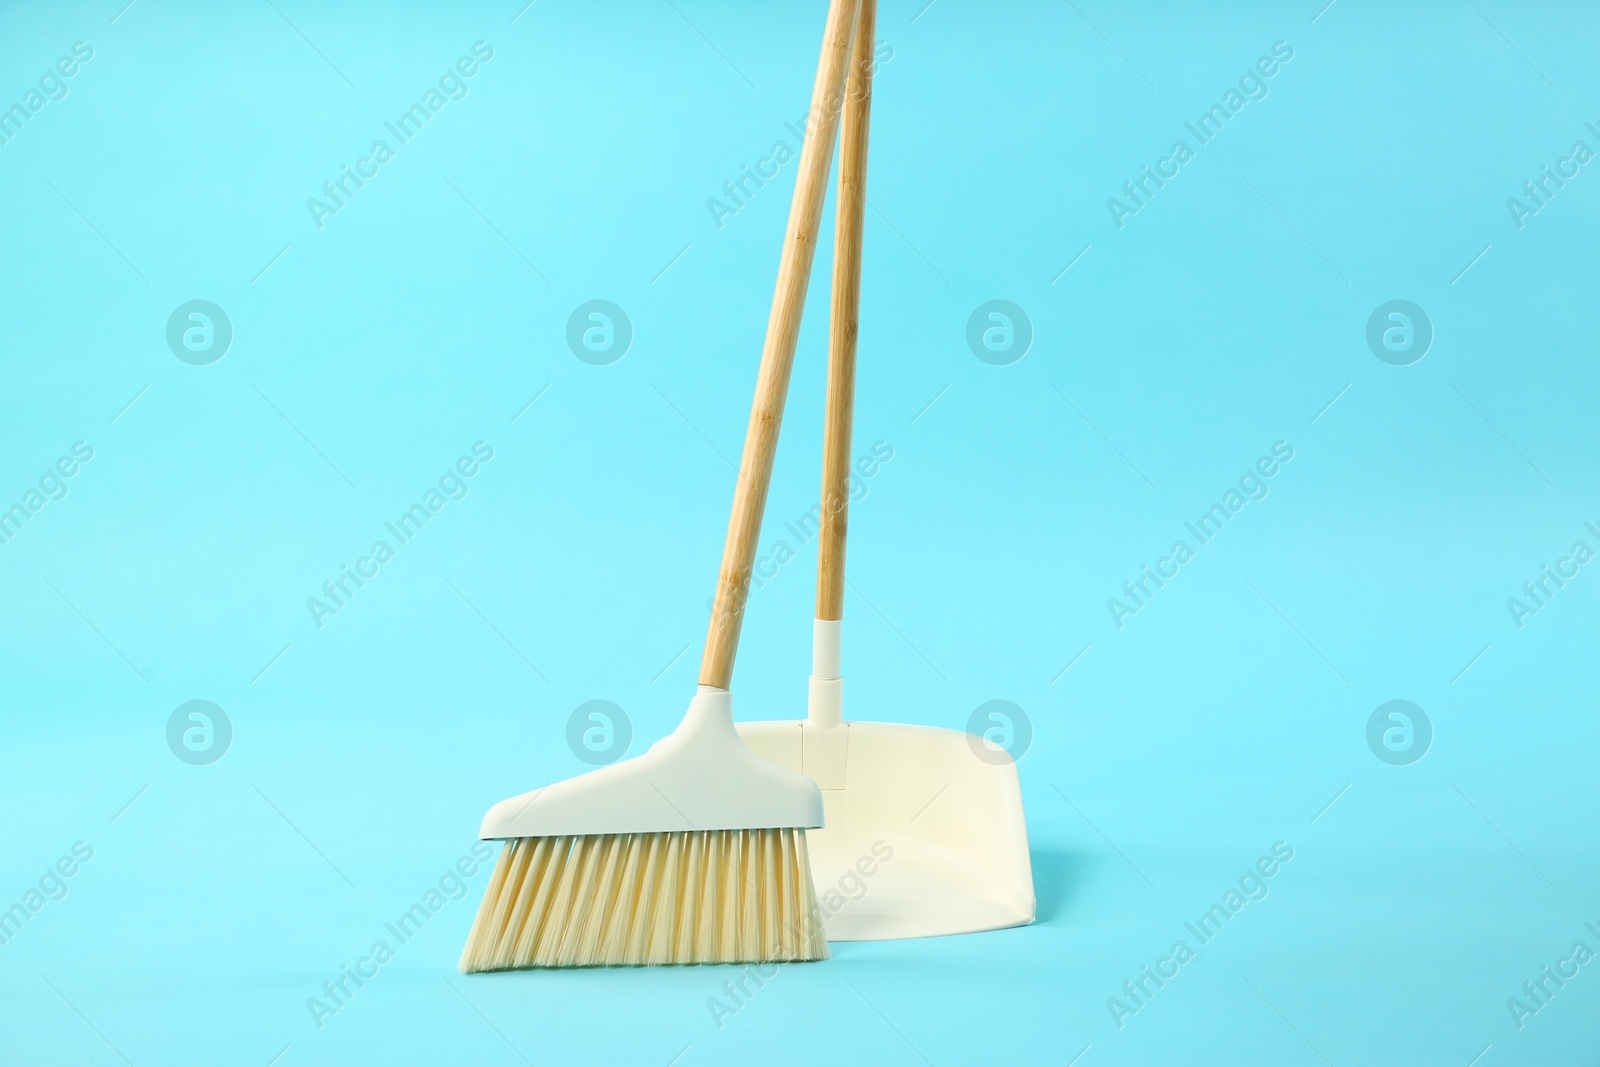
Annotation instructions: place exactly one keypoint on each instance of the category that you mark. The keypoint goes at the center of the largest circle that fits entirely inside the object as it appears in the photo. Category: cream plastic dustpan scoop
(923, 829)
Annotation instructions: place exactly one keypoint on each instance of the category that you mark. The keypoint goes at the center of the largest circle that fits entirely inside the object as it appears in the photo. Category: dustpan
(923, 832)
(921, 836)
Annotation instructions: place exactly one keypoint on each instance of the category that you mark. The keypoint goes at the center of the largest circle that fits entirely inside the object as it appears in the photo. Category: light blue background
(1222, 318)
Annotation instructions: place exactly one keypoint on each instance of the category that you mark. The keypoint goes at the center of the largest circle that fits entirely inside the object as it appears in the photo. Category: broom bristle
(701, 896)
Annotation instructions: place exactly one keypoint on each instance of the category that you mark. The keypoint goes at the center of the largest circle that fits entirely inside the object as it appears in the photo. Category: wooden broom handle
(777, 355)
(845, 324)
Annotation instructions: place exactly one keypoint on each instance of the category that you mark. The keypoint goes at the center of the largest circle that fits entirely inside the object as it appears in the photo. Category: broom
(695, 851)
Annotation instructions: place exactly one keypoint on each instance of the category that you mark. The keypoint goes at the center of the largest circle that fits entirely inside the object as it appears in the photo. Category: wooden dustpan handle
(777, 355)
(844, 326)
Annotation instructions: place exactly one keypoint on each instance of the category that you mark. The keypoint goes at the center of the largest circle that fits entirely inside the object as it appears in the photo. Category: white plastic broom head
(699, 777)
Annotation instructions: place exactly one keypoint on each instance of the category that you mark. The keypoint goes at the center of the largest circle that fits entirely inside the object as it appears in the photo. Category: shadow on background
(1053, 881)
